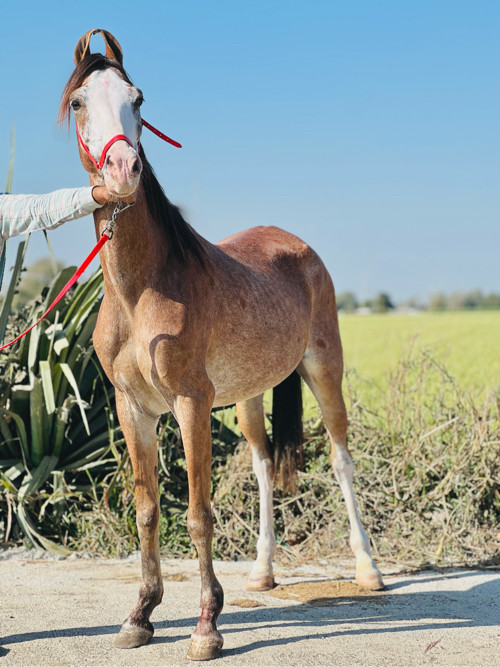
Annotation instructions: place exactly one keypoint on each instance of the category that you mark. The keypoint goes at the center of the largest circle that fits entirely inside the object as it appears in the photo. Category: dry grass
(427, 473)
(427, 479)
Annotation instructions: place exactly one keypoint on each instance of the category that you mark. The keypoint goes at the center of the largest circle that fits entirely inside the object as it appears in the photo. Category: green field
(468, 344)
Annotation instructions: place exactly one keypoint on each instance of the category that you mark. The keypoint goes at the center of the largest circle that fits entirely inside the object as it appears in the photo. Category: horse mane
(185, 244)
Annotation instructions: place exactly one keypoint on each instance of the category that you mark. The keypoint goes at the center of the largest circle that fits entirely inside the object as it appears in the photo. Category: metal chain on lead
(109, 229)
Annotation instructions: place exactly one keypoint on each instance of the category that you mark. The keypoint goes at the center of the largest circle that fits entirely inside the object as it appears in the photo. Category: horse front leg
(193, 416)
(140, 435)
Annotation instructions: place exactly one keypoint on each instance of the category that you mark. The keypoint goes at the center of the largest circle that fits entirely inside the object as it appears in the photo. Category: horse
(185, 326)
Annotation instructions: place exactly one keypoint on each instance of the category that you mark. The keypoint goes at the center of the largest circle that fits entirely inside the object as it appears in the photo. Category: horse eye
(138, 102)
(75, 105)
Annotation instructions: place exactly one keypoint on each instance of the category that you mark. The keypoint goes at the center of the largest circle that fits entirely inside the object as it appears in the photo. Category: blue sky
(369, 128)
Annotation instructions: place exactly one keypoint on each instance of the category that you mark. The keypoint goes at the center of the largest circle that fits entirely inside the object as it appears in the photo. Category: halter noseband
(99, 165)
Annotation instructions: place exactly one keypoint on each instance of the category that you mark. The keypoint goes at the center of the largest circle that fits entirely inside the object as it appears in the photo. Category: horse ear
(83, 47)
(113, 48)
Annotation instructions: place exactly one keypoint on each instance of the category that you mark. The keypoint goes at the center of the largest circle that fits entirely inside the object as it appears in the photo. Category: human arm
(28, 213)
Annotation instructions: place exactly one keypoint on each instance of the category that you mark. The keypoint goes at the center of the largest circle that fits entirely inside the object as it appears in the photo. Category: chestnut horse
(185, 326)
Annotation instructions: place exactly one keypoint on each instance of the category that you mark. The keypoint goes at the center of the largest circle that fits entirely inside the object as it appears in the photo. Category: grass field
(468, 343)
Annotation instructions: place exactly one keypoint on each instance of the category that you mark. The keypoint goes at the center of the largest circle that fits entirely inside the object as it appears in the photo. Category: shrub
(56, 420)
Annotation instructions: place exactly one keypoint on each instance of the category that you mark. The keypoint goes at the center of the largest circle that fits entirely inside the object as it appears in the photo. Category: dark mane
(185, 244)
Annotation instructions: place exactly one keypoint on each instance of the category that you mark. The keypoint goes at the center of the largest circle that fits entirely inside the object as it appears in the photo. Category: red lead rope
(66, 287)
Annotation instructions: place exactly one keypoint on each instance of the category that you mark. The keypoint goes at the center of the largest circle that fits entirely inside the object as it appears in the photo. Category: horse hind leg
(325, 381)
(251, 421)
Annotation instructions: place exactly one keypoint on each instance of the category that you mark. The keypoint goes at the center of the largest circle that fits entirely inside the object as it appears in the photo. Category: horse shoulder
(110, 334)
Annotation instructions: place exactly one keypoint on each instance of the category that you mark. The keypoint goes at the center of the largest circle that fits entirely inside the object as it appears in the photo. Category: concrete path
(66, 612)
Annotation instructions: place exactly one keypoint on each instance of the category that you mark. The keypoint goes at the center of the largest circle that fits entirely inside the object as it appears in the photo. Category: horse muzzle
(119, 164)
(121, 169)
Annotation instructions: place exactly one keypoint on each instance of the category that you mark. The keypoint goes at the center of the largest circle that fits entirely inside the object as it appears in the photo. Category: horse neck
(136, 253)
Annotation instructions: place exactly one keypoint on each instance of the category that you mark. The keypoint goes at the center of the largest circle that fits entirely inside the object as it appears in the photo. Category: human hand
(102, 196)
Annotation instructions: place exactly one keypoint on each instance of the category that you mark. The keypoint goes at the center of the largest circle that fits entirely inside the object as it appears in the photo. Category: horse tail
(287, 434)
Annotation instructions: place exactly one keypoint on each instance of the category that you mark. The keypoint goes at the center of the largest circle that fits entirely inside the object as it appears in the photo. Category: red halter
(120, 137)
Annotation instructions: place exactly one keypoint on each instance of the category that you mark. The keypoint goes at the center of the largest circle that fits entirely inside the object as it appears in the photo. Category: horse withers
(186, 326)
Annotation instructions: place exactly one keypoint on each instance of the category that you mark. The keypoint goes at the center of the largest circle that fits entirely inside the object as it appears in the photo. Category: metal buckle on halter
(109, 229)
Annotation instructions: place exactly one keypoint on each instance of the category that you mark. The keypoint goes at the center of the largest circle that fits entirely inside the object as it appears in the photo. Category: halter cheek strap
(121, 137)
(170, 141)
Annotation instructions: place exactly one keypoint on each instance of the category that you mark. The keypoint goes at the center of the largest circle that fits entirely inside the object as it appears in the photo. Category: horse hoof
(132, 637)
(372, 581)
(260, 583)
(207, 648)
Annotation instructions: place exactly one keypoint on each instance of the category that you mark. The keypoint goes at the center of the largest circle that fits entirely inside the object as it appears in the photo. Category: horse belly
(243, 366)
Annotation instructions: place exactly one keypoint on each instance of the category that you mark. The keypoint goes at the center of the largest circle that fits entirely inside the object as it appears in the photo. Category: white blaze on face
(109, 102)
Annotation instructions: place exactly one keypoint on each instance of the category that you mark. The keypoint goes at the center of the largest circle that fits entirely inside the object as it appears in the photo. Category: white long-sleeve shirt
(21, 214)
(28, 213)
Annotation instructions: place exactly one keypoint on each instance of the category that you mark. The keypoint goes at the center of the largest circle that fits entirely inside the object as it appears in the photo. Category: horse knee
(200, 526)
(148, 516)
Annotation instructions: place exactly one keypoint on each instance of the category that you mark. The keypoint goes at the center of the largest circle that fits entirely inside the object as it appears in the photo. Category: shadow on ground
(329, 617)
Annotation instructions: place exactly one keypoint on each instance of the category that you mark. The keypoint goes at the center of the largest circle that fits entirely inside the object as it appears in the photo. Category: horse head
(106, 106)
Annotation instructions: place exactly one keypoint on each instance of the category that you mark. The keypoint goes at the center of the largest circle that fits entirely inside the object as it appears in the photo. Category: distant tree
(473, 300)
(457, 301)
(491, 302)
(347, 302)
(382, 303)
(411, 303)
(438, 301)
(36, 277)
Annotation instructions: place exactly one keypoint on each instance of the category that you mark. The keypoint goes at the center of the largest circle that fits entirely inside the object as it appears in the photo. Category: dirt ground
(66, 612)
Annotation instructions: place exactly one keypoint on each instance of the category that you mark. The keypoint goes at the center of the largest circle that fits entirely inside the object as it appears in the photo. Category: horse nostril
(136, 167)
(109, 162)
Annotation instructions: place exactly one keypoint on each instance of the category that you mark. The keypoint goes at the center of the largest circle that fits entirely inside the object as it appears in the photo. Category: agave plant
(56, 421)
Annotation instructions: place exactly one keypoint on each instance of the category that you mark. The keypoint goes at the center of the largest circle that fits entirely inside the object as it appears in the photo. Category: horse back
(279, 262)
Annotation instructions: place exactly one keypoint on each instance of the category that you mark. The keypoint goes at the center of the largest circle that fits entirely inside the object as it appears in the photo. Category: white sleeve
(28, 213)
